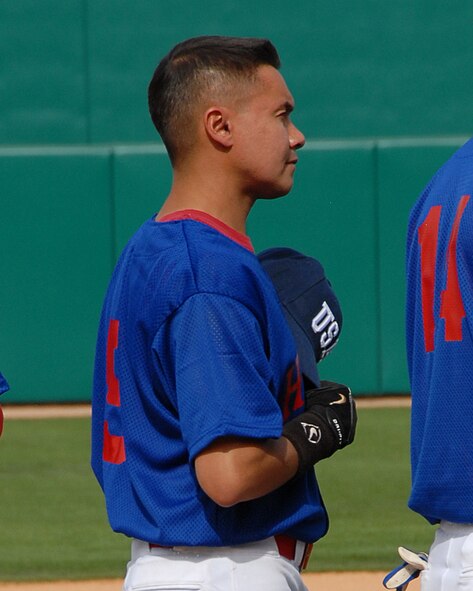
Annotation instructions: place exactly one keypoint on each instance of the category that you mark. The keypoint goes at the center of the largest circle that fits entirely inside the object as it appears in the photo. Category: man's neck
(209, 196)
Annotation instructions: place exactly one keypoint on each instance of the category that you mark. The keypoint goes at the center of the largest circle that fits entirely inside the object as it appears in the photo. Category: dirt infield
(57, 411)
(359, 581)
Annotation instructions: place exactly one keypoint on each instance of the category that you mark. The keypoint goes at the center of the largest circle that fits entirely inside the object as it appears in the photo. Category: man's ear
(218, 126)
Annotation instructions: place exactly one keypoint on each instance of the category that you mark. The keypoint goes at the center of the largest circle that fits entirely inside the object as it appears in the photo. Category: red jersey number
(451, 303)
(293, 399)
(113, 445)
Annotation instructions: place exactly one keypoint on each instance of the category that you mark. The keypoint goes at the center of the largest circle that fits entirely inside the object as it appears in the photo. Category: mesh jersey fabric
(202, 351)
(439, 324)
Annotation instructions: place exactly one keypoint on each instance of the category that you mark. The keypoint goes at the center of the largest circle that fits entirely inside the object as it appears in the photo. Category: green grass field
(365, 489)
(53, 522)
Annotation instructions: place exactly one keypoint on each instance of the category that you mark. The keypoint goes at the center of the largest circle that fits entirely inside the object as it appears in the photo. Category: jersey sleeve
(3, 384)
(213, 356)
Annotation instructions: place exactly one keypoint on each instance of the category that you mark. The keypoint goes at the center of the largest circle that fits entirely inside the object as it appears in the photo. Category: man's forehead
(271, 80)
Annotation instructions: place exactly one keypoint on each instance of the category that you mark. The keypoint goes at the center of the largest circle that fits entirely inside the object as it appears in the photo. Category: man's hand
(340, 410)
(327, 424)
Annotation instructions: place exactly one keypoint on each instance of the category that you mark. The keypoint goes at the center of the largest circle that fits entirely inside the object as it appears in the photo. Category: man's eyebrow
(287, 106)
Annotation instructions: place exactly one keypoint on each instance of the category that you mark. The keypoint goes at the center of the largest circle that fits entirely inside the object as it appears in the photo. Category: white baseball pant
(258, 566)
(450, 565)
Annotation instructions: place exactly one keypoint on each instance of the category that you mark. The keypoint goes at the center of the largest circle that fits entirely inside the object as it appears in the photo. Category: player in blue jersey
(440, 356)
(4, 387)
(203, 436)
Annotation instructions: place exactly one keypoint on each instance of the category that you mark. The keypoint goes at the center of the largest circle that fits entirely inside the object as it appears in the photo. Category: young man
(203, 437)
(440, 353)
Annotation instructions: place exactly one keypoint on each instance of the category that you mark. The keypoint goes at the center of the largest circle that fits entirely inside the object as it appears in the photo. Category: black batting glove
(327, 424)
(340, 408)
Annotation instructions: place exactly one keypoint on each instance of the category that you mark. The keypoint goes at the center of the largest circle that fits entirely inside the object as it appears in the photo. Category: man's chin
(275, 193)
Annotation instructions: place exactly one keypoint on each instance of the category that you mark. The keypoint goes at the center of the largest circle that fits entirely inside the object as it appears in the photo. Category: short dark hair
(197, 65)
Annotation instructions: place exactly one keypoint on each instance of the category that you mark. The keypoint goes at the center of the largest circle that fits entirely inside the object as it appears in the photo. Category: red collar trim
(209, 220)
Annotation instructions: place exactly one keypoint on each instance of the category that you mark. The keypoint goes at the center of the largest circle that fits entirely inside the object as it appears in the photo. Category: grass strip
(365, 489)
(54, 525)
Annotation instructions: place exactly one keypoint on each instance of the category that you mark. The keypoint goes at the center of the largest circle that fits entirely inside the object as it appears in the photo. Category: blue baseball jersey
(193, 346)
(439, 323)
(4, 387)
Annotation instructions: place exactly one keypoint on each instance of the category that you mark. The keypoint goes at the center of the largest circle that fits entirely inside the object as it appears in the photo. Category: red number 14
(451, 303)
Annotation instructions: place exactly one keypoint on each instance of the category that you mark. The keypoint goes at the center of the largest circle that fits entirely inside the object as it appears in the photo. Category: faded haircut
(200, 65)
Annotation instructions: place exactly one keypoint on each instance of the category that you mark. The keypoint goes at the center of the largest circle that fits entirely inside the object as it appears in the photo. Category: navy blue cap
(310, 305)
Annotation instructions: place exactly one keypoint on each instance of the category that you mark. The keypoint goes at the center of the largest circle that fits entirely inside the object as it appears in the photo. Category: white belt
(296, 551)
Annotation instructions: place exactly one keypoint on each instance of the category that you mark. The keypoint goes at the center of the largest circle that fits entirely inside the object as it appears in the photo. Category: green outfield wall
(80, 168)
(76, 71)
(68, 211)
